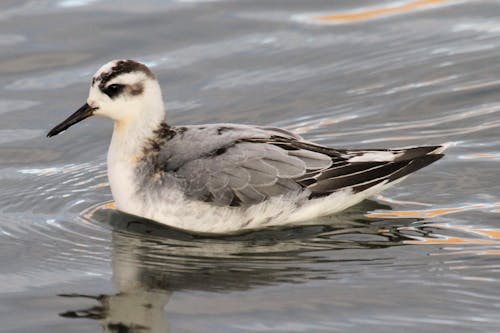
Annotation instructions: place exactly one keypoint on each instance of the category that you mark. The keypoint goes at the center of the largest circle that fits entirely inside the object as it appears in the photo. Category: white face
(122, 92)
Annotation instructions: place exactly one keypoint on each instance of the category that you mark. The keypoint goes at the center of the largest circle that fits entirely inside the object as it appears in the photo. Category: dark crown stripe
(122, 67)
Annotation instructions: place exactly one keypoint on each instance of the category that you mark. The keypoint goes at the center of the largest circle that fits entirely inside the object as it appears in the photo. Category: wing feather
(312, 159)
(238, 177)
(288, 167)
(232, 165)
(261, 173)
(249, 194)
(283, 186)
(330, 185)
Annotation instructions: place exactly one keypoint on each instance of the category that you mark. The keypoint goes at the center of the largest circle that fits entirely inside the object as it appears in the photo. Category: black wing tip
(360, 181)
(415, 165)
(411, 167)
(419, 152)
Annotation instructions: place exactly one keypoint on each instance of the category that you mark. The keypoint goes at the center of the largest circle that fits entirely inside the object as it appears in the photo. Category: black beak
(84, 112)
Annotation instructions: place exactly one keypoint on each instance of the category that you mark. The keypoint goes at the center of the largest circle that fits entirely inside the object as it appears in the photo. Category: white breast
(123, 187)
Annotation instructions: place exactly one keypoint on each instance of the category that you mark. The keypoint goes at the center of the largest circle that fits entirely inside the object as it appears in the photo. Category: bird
(226, 178)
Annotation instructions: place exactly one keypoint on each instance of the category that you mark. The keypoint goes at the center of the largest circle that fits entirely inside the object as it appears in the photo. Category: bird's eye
(114, 90)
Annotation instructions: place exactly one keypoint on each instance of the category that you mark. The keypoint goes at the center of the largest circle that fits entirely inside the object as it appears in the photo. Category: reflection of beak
(84, 112)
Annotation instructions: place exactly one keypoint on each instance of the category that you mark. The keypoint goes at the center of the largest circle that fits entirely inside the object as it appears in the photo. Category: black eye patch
(114, 90)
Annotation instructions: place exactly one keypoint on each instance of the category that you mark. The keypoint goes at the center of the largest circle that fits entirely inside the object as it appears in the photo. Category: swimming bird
(226, 178)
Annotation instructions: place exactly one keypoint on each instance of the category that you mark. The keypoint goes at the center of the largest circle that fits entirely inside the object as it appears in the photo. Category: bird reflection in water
(151, 262)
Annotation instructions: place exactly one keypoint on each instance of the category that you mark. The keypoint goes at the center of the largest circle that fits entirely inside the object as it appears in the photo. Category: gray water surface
(423, 257)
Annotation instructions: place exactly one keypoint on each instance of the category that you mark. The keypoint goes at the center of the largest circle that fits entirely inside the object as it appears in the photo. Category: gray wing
(249, 172)
(188, 143)
(231, 164)
(242, 165)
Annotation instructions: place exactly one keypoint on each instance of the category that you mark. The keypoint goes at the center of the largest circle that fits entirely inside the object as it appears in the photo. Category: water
(422, 257)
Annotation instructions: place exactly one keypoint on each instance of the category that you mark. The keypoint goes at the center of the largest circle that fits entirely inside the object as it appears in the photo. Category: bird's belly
(200, 217)
(168, 205)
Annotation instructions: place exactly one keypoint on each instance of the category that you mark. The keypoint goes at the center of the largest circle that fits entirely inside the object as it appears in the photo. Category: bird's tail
(364, 169)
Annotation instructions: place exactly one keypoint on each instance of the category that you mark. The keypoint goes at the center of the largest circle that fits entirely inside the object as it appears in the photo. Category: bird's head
(123, 90)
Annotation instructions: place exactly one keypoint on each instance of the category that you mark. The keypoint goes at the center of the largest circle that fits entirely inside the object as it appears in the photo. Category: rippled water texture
(422, 257)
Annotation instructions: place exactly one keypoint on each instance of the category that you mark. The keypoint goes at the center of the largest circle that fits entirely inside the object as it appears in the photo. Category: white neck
(130, 135)
(126, 150)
